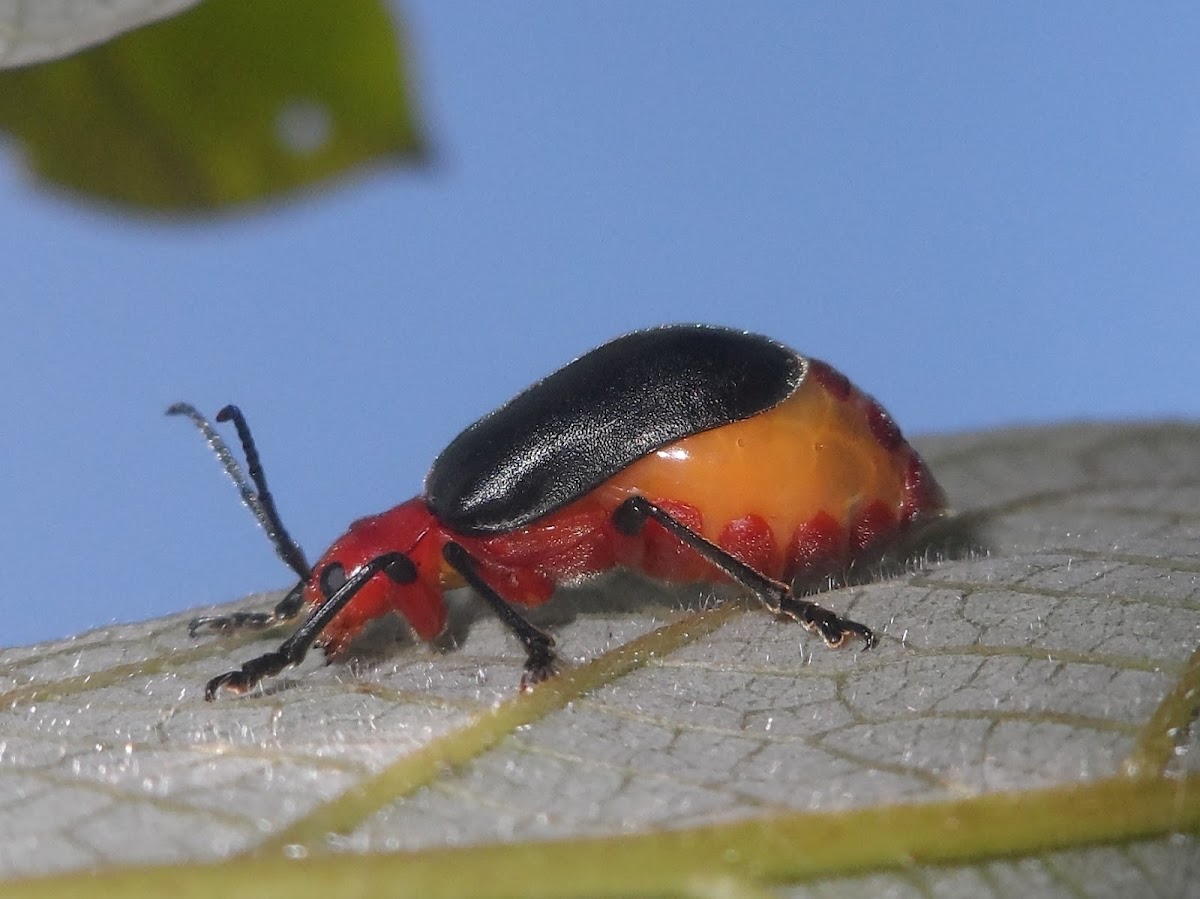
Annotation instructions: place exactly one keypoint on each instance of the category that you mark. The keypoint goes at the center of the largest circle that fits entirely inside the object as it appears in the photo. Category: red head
(388, 562)
(415, 592)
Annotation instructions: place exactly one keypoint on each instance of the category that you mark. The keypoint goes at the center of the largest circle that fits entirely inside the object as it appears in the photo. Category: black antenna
(257, 499)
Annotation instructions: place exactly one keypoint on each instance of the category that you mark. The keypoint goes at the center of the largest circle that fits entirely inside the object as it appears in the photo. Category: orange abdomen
(818, 479)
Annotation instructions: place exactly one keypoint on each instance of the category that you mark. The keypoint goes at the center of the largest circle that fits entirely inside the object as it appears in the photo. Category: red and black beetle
(687, 452)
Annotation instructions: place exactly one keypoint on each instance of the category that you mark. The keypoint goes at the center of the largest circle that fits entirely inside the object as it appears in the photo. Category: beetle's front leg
(292, 651)
(631, 516)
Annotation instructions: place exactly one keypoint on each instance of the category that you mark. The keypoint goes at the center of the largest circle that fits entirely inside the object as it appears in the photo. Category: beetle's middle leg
(541, 662)
(632, 515)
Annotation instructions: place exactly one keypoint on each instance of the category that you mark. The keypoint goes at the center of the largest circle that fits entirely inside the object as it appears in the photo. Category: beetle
(690, 453)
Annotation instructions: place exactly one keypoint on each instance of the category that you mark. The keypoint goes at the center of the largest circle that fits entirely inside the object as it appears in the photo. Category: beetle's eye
(401, 570)
(332, 579)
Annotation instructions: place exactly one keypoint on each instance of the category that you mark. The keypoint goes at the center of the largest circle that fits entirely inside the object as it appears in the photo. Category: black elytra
(571, 431)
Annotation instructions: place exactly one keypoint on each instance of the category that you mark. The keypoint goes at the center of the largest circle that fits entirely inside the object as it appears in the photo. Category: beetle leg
(293, 650)
(631, 515)
(285, 610)
(540, 659)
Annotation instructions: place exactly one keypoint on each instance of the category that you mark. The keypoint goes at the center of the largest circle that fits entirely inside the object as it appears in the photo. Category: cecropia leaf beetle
(687, 452)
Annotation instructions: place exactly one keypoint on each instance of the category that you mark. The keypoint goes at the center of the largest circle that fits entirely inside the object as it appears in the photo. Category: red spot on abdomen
(884, 429)
(922, 494)
(831, 379)
(751, 540)
(817, 544)
(665, 556)
(873, 523)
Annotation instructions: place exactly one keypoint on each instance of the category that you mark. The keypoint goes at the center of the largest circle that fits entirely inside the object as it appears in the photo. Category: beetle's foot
(336, 646)
(234, 681)
(285, 610)
(534, 676)
(248, 676)
(541, 664)
(228, 624)
(829, 626)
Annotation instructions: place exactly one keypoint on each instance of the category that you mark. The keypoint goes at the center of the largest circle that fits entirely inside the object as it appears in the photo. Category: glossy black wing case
(568, 433)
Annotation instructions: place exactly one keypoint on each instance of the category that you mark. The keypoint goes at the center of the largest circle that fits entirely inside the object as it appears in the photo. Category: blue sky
(983, 215)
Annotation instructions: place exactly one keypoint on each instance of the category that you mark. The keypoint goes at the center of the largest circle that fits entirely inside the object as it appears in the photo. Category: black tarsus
(540, 659)
(632, 514)
(293, 650)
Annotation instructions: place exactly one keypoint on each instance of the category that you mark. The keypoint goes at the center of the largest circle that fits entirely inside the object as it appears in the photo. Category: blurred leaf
(231, 102)
(35, 30)
(1025, 728)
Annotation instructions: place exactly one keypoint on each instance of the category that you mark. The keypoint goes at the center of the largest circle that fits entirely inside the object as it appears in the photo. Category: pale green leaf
(231, 102)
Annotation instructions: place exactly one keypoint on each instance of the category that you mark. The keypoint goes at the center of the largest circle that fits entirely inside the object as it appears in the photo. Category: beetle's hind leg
(285, 610)
(835, 630)
(541, 662)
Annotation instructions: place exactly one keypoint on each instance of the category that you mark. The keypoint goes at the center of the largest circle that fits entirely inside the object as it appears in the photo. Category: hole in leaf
(303, 126)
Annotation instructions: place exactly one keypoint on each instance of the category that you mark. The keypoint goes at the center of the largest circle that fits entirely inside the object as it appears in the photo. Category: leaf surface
(1025, 727)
